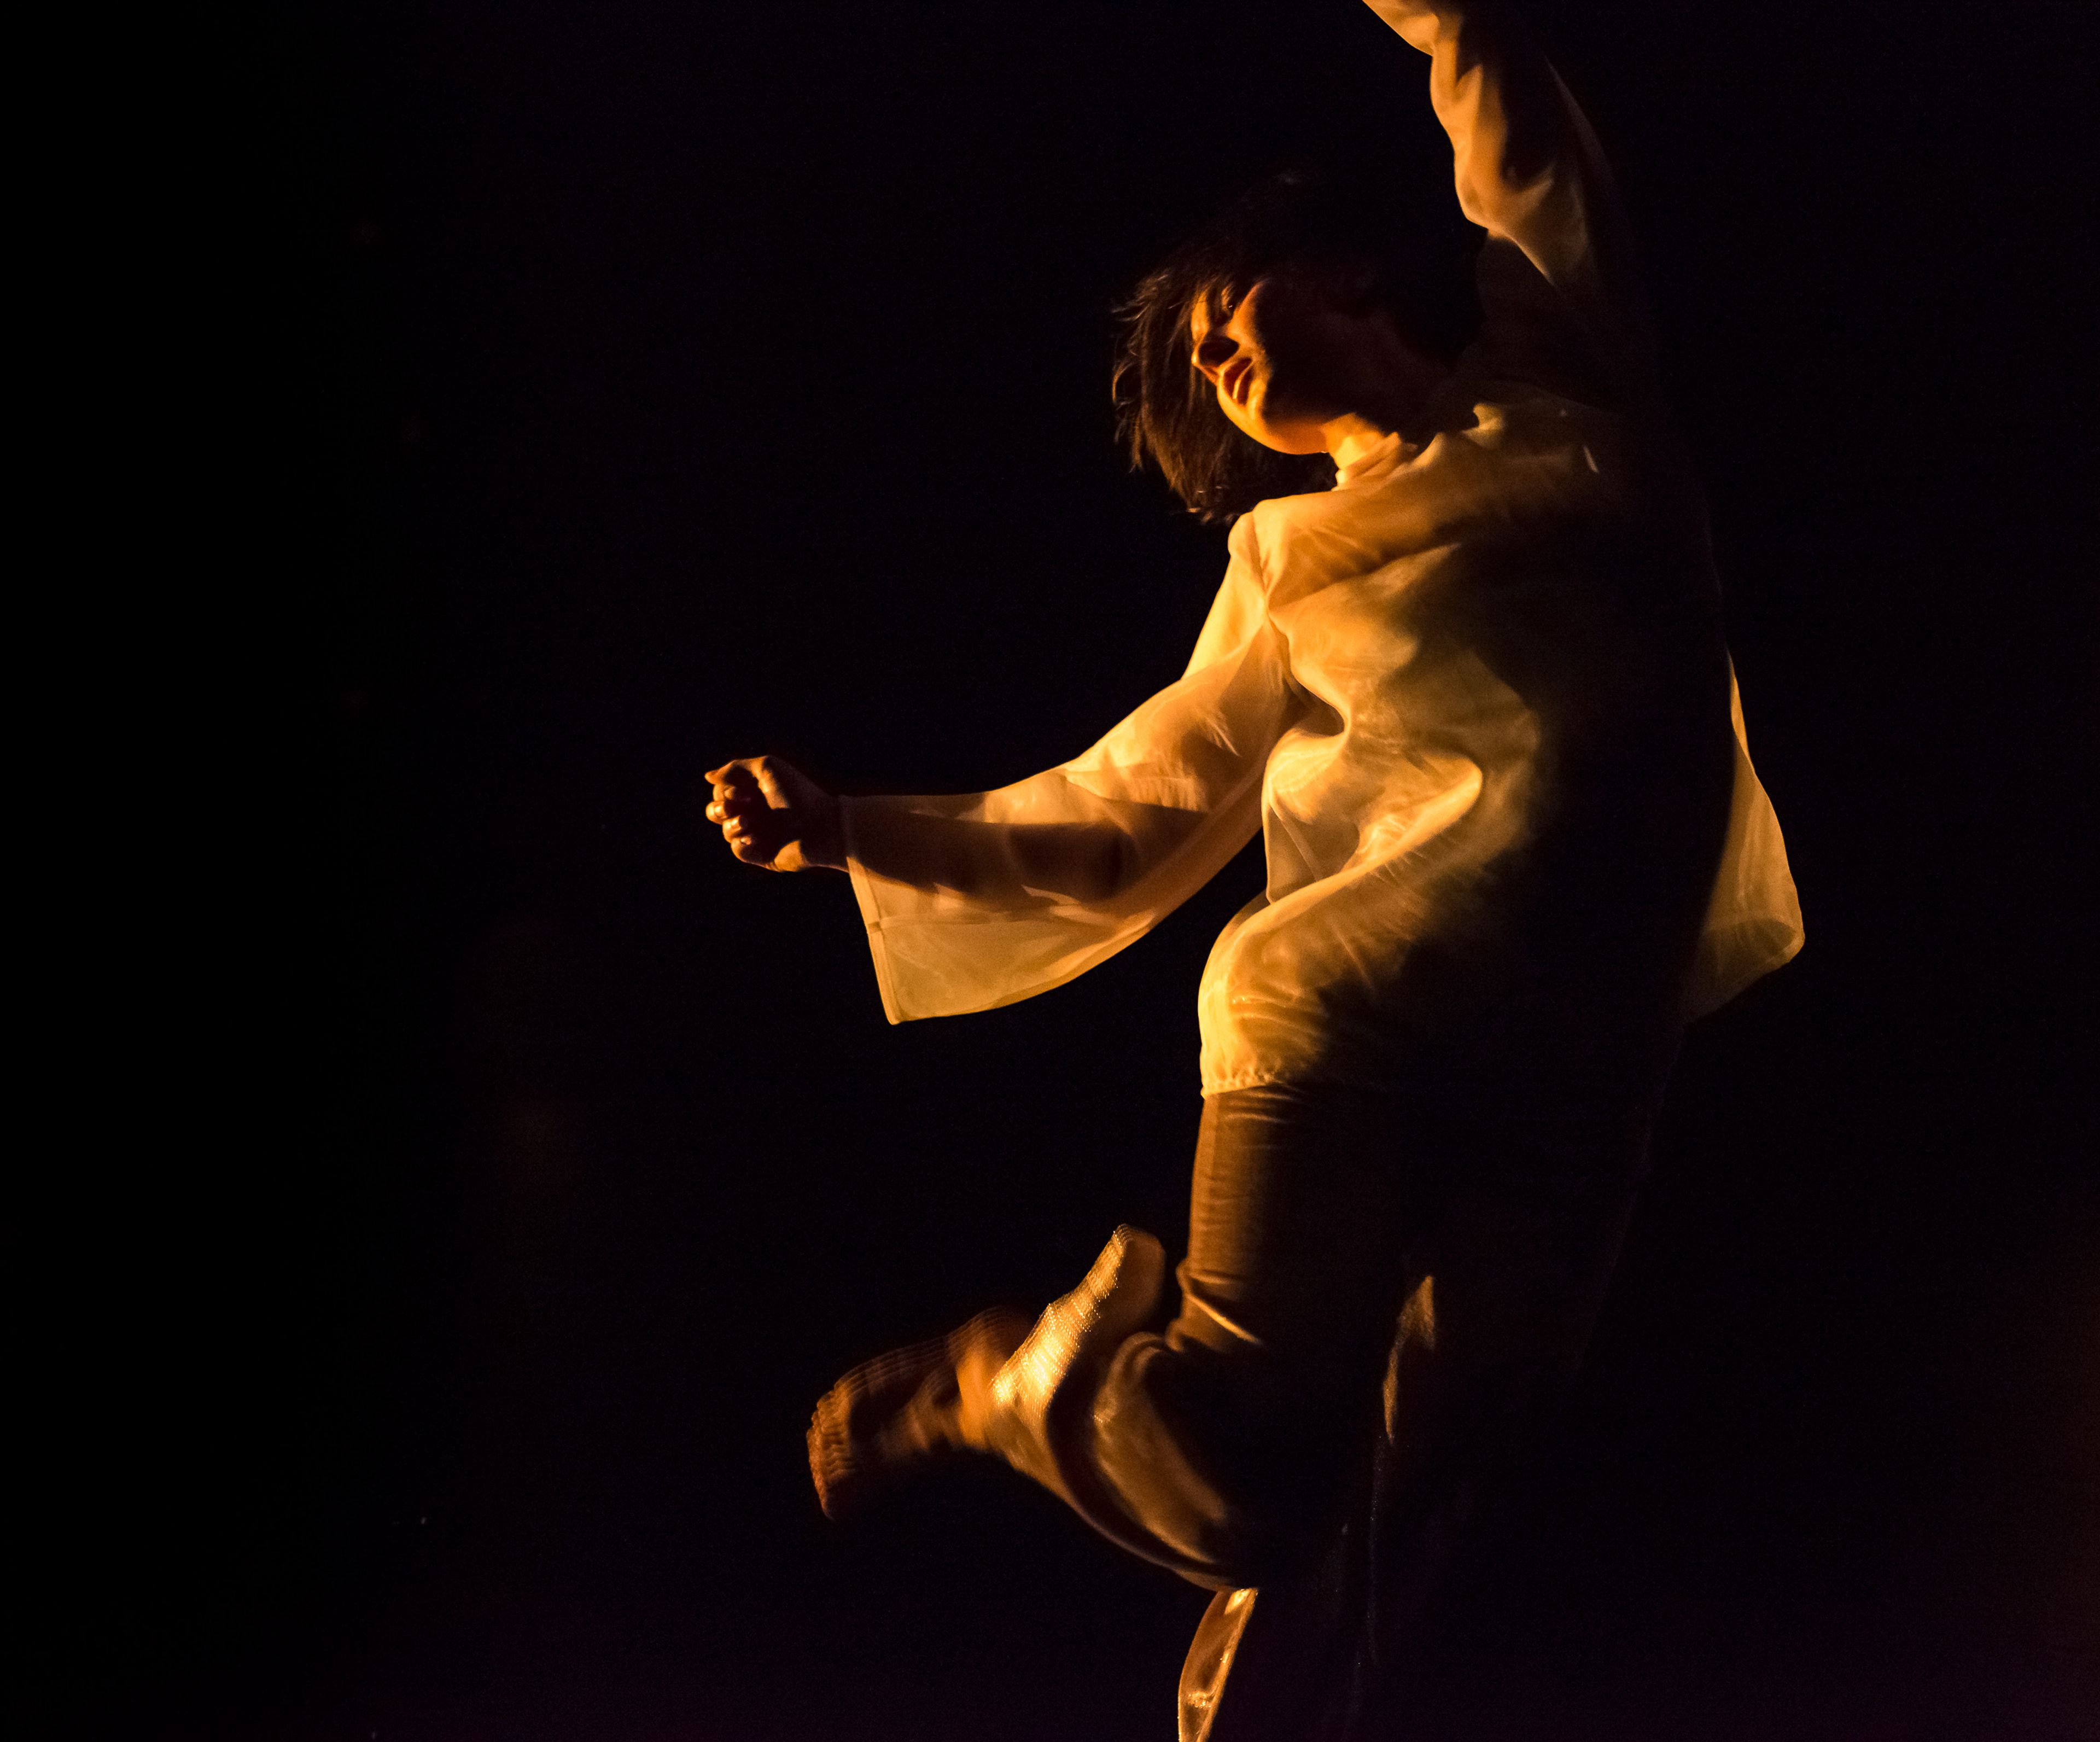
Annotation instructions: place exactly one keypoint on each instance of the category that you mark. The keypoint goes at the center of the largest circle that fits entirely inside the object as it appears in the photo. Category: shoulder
(1264, 530)
(1298, 545)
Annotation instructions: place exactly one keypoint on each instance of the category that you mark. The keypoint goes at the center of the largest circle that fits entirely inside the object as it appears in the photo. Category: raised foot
(908, 1409)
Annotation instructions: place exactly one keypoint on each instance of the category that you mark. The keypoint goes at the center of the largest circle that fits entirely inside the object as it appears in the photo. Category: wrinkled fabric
(1475, 698)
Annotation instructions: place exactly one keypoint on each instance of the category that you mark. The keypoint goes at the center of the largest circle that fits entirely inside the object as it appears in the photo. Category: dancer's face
(1285, 360)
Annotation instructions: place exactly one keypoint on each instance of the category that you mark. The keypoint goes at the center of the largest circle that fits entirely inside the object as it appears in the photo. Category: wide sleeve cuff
(870, 909)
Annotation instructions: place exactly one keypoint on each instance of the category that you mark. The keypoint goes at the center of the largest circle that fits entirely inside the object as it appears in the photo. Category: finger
(737, 776)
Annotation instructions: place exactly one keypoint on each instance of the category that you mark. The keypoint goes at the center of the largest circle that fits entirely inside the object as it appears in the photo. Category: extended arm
(774, 815)
(1086, 832)
(977, 899)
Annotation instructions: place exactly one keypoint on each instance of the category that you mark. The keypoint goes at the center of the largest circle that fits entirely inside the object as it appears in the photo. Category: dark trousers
(1383, 1295)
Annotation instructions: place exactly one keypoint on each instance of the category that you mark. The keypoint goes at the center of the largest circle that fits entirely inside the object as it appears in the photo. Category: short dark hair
(1416, 257)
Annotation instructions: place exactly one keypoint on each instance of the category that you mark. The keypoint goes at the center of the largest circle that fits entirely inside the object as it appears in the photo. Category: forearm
(1528, 170)
(1511, 125)
(948, 845)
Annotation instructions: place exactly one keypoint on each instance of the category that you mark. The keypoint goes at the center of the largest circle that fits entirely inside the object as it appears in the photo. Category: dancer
(1474, 693)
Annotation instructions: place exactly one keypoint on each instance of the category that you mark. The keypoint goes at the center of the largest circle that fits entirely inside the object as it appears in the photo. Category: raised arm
(1529, 172)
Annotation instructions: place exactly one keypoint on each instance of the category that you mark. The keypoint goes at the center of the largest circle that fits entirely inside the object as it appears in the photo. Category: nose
(1213, 351)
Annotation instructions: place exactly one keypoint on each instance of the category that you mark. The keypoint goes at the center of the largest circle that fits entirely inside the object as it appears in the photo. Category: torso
(1493, 829)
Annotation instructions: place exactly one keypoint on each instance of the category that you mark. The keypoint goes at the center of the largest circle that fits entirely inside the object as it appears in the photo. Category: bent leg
(1382, 1302)
(1219, 1449)
(1294, 1440)
(1229, 1441)
(1222, 1449)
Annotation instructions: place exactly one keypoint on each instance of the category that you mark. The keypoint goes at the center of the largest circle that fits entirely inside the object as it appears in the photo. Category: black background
(669, 382)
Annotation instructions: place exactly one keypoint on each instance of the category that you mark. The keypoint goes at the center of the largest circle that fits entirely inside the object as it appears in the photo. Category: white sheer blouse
(1448, 692)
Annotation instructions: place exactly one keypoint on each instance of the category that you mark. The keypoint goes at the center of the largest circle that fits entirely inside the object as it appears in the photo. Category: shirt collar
(1388, 453)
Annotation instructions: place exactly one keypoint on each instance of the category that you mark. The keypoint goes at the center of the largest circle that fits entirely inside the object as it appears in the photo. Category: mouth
(1235, 380)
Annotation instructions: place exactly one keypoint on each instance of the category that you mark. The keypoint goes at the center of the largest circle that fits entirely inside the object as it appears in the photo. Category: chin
(1288, 440)
(1289, 433)
(1278, 437)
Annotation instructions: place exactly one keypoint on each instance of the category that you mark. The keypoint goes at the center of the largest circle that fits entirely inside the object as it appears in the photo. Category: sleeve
(1560, 297)
(982, 899)
(1753, 921)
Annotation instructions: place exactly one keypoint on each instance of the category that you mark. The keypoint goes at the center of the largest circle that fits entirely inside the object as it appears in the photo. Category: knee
(1219, 1461)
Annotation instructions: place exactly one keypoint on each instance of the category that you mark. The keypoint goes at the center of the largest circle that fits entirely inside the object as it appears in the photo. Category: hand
(773, 815)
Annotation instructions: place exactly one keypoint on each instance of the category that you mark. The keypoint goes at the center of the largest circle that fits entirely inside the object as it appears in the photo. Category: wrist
(828, 846)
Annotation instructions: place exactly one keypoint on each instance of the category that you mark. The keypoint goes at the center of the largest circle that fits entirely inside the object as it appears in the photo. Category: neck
(1397, 393)
(1350, 437)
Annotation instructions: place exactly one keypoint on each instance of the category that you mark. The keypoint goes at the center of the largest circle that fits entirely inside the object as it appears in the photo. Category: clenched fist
(773, 815)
